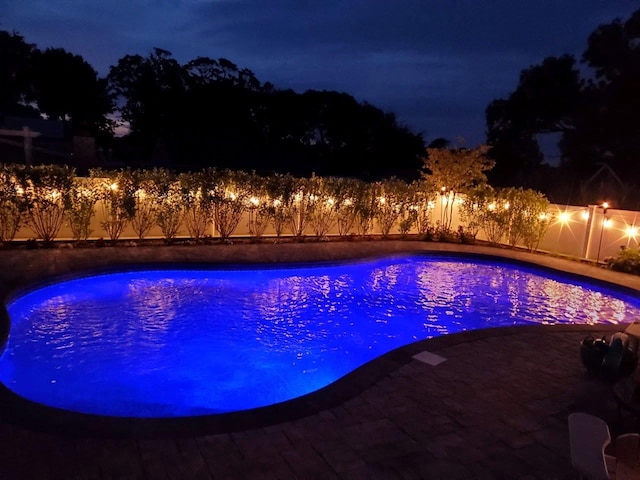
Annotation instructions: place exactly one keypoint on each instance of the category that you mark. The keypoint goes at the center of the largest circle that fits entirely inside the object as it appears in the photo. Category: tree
(152, 91)
(456, 171)
(331, 133)
(595, 115)
(607, 125)
(16, 74)
(67, 87)
(545, 101)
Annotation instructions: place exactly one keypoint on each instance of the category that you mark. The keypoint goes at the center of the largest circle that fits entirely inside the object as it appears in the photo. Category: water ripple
(191, 342)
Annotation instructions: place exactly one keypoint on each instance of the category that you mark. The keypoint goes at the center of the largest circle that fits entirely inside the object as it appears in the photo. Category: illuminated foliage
(258, 206)
(342, 189)
(81, 207)
(224, 197)
(47, 188)
(281, 189)
(145, 194)
(391, 200)
(229, 193)
(197, 204)
(423, 197)
(454, 172)
(116, 194)
(322, 216)
(474, 208)
(299, 206)
(527, 216)
(365, 205)
(13, 202)
(169, 203)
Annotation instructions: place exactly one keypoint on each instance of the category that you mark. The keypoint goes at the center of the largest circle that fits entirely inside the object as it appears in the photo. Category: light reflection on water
(191, 342)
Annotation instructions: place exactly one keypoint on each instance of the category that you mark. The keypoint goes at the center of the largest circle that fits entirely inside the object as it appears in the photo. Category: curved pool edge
(21, 412)
(22, 268)
(43, 266)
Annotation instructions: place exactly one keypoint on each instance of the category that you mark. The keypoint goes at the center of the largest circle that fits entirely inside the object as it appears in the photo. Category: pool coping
(17, 410)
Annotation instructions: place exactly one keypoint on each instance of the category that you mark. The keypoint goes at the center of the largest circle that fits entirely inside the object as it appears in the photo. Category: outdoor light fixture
(564, 217)
(585, 215)
(605, 224)
(631, 232)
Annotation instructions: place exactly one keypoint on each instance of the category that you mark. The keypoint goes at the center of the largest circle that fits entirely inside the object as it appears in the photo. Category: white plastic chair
(588, 437)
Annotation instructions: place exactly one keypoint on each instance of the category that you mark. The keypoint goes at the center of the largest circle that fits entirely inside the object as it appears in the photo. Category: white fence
(590, 233)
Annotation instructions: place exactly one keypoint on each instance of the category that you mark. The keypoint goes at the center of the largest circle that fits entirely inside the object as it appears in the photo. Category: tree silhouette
(607, 124)
(208, 113)
(67, 87)
(545, 101)
(595, 115)
(16, 75)
(152, 92)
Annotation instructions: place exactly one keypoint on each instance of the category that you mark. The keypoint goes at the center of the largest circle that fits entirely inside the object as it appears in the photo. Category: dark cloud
(435, 63)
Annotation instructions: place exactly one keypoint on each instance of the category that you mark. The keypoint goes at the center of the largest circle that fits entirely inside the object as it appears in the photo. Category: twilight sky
(435, 63)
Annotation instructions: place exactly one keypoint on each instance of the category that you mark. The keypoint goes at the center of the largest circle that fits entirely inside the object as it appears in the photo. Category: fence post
(588, 235)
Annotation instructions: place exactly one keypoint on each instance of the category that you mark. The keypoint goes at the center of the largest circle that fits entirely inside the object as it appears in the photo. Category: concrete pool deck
(495, 408)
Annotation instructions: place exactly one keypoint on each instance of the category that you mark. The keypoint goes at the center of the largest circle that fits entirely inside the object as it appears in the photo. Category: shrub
(343, 191)
(527, 217)
(197, 204)
(422, 198)
(169, 203)
(280, 190)
(257, 206)
(627, 260)
(322, 217)
(80, 207)
(145, 195)
(47, 188)
(13, 202)
(392, 205)
(299, 205)
(116, 195)
(365, 205)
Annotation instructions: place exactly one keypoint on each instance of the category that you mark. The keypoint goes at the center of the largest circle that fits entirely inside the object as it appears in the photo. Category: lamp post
(604, 207)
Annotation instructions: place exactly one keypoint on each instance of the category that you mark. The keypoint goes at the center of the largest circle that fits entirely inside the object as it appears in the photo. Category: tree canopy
(52, 82)
(206, 112)
(591, 105)
(212, 112)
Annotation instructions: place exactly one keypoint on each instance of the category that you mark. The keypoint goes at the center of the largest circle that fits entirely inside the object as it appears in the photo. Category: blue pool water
(169, 343)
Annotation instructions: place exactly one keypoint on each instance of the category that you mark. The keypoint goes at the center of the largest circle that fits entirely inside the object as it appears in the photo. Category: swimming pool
(188, 342)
